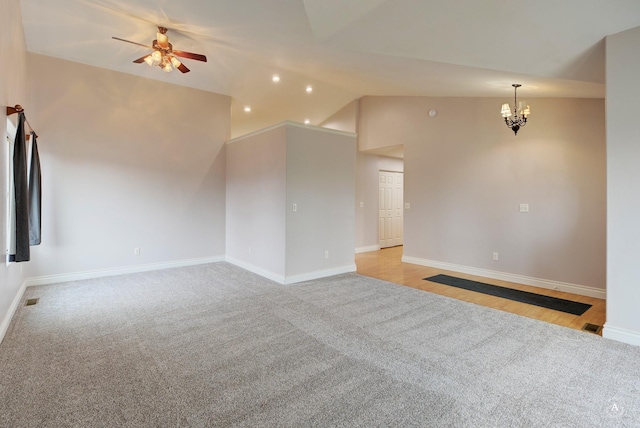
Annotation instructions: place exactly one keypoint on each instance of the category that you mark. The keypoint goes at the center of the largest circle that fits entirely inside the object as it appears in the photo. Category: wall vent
(592, 328)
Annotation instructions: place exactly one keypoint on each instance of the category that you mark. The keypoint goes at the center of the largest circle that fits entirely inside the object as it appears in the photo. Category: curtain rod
(18, 109)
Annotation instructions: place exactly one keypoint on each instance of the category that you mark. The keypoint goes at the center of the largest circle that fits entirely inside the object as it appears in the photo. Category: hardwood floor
(386, 264)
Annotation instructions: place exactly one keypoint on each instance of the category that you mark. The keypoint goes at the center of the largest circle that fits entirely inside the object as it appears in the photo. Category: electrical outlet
(249, 250)
(361, 204)
(407, 206)
(136, 251)
(524, 208)
(326, 254)
(495, 256)
(295, 207)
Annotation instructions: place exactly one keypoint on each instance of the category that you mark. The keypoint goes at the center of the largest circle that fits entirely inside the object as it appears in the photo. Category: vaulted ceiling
(343, 48)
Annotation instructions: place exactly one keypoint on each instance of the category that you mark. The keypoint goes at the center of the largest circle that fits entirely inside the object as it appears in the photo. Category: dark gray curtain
(22, 194)
(35, 194)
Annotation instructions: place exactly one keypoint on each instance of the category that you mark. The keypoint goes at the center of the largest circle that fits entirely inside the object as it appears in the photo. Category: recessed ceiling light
(275, 78)
(309, 89)
(307, 121)
(247, 109)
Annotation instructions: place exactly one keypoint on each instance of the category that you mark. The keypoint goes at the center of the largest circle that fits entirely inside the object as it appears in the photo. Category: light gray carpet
(214, 345)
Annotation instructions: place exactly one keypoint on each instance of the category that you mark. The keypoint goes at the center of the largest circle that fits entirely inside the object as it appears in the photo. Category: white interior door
(390, 209)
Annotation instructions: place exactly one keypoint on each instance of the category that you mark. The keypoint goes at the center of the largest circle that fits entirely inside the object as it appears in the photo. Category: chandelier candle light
(521, 110)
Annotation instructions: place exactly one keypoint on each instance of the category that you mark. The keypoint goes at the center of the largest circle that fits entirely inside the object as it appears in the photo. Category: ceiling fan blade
(190, 55)
(141, 60)
(183, 68)
(133, 43)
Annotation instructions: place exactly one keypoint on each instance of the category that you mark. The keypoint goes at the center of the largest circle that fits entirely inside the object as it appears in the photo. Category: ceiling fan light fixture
(163, 55)
(175, 62)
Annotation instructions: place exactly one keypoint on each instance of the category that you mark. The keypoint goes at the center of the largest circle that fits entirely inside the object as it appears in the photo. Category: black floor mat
(568, 306)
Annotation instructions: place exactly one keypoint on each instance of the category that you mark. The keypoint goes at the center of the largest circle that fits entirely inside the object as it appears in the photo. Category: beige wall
(127, 163)
(391, 121)
(321, 182)
(368, 169)
(270, 171)
(345, 119)
(466, 174)
(13, 90)
(256, 202)
(623, 198)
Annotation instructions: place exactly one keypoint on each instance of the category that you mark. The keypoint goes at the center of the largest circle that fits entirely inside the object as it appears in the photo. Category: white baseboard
(504, 276)
(255, 269)
(75, 276)
(284, 280)
(367, 249)
(4, 326)
(319, 274)
(621, 334)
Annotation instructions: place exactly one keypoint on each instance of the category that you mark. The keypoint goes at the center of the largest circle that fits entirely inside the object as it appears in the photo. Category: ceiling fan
(163, 54)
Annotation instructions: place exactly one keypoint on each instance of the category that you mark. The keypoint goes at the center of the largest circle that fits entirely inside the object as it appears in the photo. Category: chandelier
(521, 110)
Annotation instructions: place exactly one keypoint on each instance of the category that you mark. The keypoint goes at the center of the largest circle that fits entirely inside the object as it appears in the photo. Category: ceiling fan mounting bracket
(168, 50)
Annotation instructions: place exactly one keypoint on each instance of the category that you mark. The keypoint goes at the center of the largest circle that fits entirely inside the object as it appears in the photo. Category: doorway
(390, 207)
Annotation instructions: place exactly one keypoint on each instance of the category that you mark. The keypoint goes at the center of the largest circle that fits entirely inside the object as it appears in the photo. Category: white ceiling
(344, 48)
